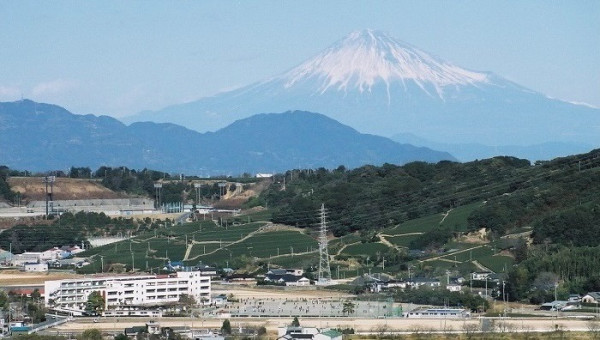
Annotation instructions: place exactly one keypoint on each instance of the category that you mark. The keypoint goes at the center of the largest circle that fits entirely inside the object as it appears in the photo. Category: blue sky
(120, 57)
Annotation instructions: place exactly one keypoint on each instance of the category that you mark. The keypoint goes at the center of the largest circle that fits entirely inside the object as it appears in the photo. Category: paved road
(366, 325)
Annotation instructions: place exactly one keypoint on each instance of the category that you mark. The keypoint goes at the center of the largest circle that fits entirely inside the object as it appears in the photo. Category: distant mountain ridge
(377, 84)
(42, 137)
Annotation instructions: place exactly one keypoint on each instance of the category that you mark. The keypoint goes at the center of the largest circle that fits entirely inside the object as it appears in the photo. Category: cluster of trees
(70, 229)
(22, 238)
(568, 269)
(93, 223)
(5, 191)
(440, 297)
(32, 307)
(142, 183)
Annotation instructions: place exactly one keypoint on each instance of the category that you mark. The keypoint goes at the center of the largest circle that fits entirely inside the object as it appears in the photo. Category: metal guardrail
(46, 325)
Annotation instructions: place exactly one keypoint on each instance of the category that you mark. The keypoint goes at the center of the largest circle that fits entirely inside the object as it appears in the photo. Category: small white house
(454, 287)
(300, 282)
(434, 313)
(480, 276)
(35, 267)
(591, 297)
(54, 253)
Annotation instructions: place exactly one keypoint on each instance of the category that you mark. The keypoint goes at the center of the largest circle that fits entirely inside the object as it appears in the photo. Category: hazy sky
(121, 57)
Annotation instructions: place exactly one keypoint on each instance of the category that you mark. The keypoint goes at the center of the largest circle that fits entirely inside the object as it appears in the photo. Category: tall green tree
(226, 327)
(90, 334)
(95, 303)
(348, 308)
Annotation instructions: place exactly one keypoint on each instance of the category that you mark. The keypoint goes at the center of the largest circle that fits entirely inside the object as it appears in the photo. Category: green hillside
(536, 224)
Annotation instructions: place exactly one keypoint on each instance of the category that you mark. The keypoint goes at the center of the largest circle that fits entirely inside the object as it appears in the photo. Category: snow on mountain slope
(365, 57)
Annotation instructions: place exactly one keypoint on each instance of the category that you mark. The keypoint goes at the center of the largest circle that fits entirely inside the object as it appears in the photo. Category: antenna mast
(324, 269)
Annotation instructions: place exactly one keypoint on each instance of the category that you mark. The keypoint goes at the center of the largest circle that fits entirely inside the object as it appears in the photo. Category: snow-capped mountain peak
(366, 57)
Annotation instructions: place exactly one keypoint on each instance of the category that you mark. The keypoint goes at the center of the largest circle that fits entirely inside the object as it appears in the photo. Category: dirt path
(387, 243)
(450, 254)
(344, 247)
(481, 267)
(445, 215)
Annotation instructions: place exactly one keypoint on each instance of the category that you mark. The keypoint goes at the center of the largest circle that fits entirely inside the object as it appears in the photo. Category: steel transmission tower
(324, 269)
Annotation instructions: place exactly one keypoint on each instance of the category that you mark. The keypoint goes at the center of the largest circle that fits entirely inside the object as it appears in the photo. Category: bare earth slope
(34, 189)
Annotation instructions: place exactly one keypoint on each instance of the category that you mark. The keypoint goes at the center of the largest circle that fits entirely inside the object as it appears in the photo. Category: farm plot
(229, 234)
(401, 240)
(264, 245)
(457, 217)
(368, 249)
(204, 248)
(296, 261)
(496, 263)
(419, 225)
(471, 254)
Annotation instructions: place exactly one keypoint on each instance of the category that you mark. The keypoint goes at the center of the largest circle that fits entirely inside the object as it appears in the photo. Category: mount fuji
(380, 85)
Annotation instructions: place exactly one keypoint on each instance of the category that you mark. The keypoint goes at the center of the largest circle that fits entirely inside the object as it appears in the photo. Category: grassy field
(470, 255)
(497, 263)
(369, 249)
(401, 241)
(457, 217)
(419, 225)
(455, 220)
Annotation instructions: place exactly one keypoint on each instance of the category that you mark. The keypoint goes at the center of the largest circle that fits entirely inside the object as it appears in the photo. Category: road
(366, 325)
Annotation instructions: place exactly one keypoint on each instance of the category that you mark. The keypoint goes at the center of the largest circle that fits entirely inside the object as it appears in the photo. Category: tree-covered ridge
(560, 201)
(376, 197)
(549, 196)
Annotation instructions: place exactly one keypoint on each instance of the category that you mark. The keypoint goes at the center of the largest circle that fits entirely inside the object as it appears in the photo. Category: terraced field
(205, 242)
(368, 249)
(225, 245)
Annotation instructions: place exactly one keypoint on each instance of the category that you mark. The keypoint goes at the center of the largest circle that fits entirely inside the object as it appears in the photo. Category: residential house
(5, 256)
(290, 333)
(51, 254)
(35, 266)
(454, 287)
(18, 260)
(480, 276)
(219, 300)
(206, 270)
(591, 297)
(423, 281)
(329, 334)
(289, 277)
(574, 298)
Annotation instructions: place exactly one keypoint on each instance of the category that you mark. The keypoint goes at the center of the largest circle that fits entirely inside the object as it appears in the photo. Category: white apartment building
(127, 292)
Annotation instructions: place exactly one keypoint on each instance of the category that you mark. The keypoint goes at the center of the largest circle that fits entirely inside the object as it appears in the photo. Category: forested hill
(558, 199)
(550, 210)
